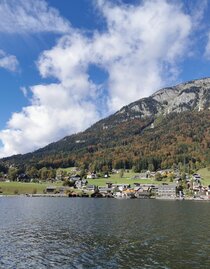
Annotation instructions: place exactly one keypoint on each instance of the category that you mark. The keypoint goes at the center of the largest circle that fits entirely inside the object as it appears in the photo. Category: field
(10, 188)
(205, 174)
(116, 179)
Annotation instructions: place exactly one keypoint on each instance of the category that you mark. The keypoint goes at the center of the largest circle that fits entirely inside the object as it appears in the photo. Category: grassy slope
(9, 188)
(205, 174)
(116, 179)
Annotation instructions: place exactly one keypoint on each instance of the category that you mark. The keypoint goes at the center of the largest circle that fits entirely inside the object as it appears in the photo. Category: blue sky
(66, 64)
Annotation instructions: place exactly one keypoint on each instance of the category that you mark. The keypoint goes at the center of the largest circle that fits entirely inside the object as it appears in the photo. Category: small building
(75, 178)
(104, 190)
(126, 194)
(79, 184)
(196, 178)
(50, 189)
(91, 176)
(23, 178)
(167, 190)
(91, 188)
(129, 193)
(109, 184)
(121, 187)
(142, 194)
(142, 175)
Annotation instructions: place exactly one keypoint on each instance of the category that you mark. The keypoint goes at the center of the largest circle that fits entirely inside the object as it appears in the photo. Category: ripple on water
(91, 233)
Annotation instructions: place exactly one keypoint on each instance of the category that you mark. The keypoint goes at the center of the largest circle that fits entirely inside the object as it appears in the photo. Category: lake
(103, 233)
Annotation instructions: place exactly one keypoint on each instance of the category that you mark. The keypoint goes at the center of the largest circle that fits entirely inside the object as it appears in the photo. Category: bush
(158, 176)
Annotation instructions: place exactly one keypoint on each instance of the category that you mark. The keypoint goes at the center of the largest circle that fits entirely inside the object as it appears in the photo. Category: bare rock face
(193, 95)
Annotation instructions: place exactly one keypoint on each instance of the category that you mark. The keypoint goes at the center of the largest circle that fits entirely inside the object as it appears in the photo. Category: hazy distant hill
(171, 126)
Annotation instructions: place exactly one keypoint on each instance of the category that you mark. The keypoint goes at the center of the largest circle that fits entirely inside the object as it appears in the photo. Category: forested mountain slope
(171, 126)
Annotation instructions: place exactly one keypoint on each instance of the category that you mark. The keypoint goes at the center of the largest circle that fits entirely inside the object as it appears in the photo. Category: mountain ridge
(131, 125)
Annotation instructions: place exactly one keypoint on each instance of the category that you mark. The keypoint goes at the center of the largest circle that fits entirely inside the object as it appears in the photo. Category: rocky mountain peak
(192, 95)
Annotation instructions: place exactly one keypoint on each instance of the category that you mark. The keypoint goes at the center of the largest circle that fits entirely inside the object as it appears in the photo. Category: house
(50, 189)
(137, 184)
(75, 178)
(142, 194)
(120, 187)
(118, 195)
(152, 174)
(91, 176)
(23, 178)
(196, 178)
(105, 190)
(145, 190)
(200, 191)
(90, 187)
(126, 194)
(79, 184)
(143, 175)
(167, 190)
(109, 184)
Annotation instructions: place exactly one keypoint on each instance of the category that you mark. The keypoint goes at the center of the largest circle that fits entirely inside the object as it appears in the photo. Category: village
(145, 185)
(119, 184)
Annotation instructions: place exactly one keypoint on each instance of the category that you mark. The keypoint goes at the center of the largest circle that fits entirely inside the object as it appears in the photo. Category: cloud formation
(8, 62)
(52, 115)
(21, 16)
(141, 47)
(139, 51)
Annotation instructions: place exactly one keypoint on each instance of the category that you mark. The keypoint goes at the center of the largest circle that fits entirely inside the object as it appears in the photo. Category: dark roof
(51, 188)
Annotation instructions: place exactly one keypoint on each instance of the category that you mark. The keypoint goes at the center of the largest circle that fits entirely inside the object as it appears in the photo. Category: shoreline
(66, 196)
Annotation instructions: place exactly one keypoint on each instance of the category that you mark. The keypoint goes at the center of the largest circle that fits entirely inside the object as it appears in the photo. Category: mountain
(171, 126)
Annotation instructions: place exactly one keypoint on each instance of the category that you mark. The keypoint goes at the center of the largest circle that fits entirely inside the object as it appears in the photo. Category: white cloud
(30, 16)
(8, 62)
(141, 41)
(139, 51)
(53, 114)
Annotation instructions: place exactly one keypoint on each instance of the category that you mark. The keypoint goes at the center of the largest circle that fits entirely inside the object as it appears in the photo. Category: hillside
(171, 126)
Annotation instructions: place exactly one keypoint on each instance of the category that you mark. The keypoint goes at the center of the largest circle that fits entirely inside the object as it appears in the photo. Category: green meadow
(205, 175)
(10, 188)
(127, 178)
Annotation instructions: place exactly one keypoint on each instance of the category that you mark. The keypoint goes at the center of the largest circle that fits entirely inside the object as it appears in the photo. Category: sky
(66, 64)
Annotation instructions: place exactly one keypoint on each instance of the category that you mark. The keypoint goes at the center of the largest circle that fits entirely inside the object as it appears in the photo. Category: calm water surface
(103, 233)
